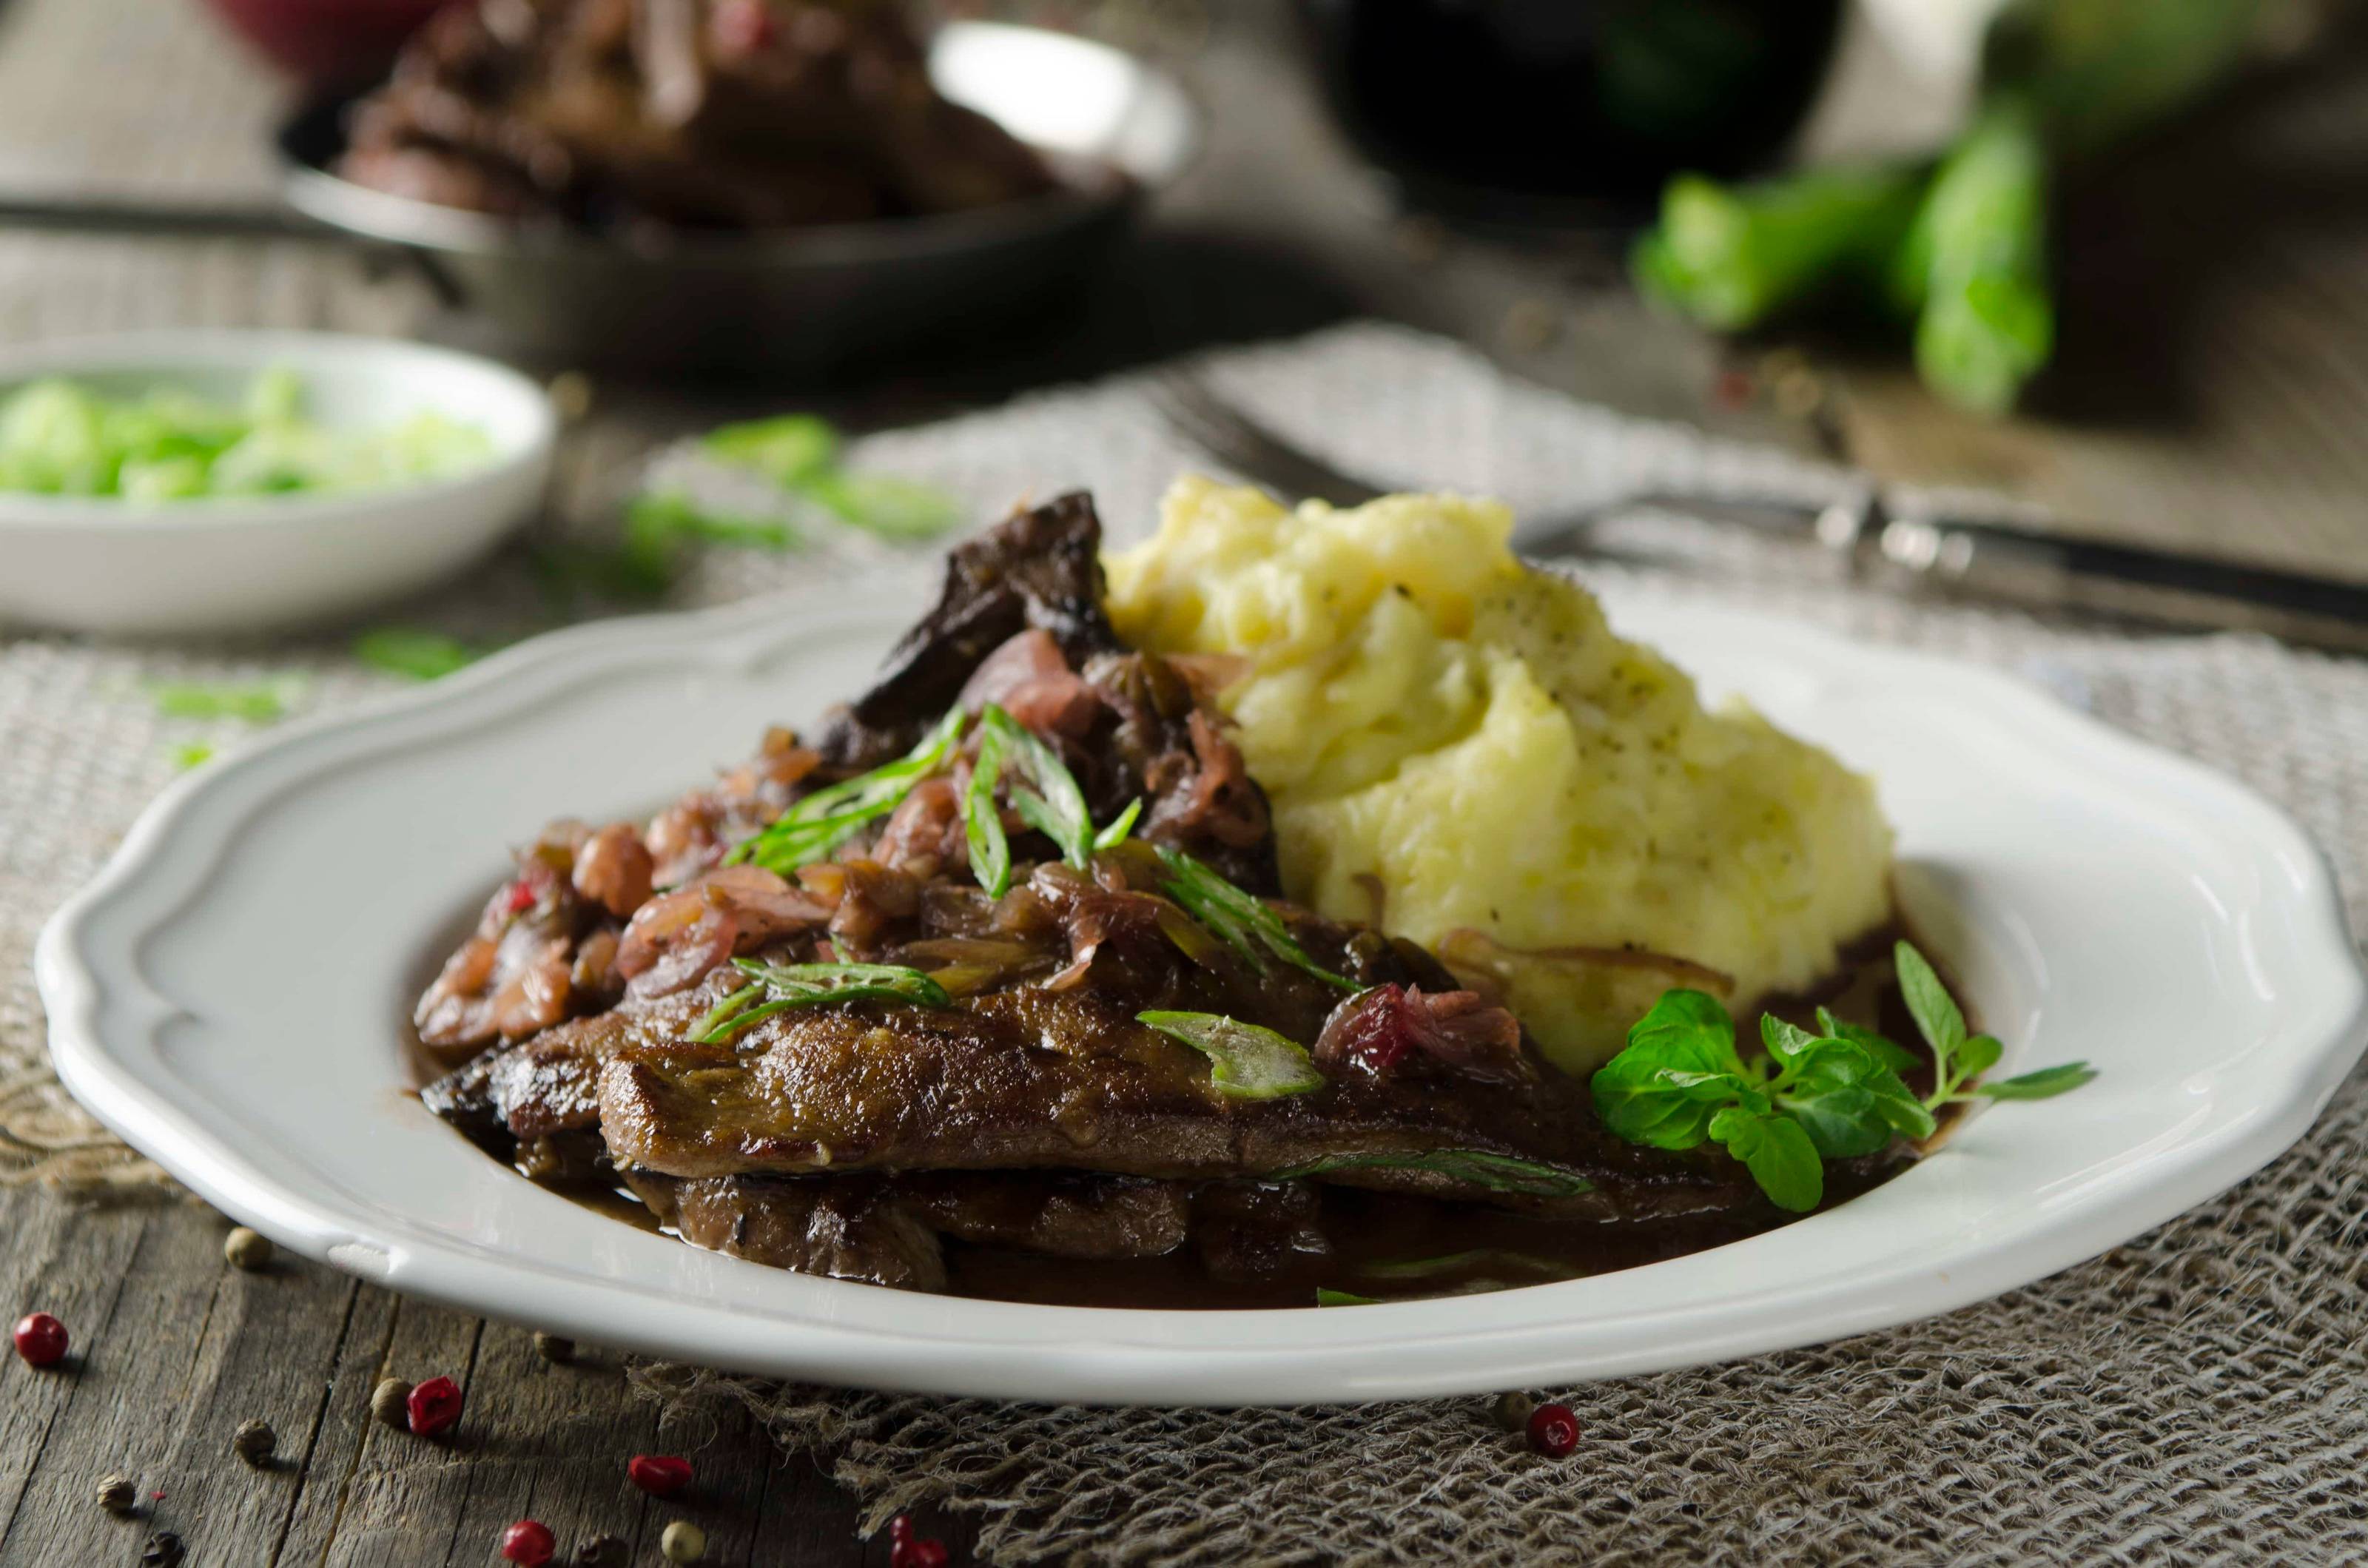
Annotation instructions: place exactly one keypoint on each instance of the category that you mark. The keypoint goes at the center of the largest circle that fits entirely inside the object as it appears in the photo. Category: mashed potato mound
(1462, 744)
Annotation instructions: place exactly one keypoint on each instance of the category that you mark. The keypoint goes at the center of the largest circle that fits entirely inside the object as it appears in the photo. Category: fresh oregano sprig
(1833, 1095)
(1960, 1058)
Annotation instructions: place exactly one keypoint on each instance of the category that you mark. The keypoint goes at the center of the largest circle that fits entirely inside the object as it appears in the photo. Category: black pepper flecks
(163, 1549)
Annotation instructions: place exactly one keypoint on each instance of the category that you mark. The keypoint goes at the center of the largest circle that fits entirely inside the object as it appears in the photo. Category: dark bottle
(1506, 107)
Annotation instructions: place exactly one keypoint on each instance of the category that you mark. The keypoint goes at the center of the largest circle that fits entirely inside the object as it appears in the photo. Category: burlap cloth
(2196, 1396)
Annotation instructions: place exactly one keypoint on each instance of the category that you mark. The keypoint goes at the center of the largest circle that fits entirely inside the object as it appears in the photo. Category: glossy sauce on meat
(1237, 1254)
(1023, 1120)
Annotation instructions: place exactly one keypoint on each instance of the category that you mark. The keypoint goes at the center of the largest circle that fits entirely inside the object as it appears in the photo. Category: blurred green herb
(789, 450)
(409, 651)
(195, 753)
(799, 454)
(256, 703)
(1327, 1296)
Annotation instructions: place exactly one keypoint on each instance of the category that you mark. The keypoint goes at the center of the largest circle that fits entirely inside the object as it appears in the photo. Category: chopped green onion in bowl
(61, 438)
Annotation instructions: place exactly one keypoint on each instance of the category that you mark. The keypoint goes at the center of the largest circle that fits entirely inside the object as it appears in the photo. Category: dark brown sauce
(1387, 1246)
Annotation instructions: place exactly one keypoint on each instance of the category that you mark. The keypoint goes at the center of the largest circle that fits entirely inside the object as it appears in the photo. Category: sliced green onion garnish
(1247, 1062)
(788, 985)
(818, 825)
(1123, 824)
(1242, 922)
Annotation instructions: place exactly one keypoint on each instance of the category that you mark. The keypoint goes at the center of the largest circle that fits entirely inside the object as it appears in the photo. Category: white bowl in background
(241, 562)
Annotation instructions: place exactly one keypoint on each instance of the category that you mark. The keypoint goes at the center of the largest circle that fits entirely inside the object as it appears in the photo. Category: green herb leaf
(1784, 1042)
(807, 984)
(819, 823)
(1848, 1103)
(1243, 923)
(1327, 1296)
(789, 450)
(1247, 1062)
(1119, 827)
(197, 754)
(659, 524)
(1777, 1152)
(1928, 1002)
(1890, 1052)
(1474, 1167)
(256, 704)
(412, 653)
(1978, 1055)
(2044, 1085)
(885, 505)
(1678, 1068)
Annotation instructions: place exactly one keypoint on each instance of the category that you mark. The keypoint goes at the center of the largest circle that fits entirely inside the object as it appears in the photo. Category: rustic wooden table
(2214, 392)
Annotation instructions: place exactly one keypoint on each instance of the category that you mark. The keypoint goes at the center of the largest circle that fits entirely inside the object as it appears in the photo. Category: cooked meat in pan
(679, 114)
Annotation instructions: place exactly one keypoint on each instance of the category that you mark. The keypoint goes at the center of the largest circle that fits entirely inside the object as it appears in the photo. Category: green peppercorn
(249, 1250)
(391, 1404)
(1513, 1410)
(253, 1443)
(683, 1542)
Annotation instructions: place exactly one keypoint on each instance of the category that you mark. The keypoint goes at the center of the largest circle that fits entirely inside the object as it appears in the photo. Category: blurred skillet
(809, 299)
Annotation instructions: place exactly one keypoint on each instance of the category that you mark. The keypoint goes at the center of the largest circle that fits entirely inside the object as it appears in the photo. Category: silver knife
(1974, 558)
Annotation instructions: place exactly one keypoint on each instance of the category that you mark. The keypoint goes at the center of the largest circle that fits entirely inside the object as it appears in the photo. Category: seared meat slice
(1039, 568)
(1030, 1078)
(885, 1230)
(847, 1228)
(1039, 1062)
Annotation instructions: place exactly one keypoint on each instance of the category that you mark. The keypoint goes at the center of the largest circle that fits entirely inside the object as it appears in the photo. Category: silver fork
(1859, 532)
(1265, 456)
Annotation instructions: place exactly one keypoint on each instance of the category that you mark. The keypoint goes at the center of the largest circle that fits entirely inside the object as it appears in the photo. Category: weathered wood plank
(68, 1259)
(338, 1436)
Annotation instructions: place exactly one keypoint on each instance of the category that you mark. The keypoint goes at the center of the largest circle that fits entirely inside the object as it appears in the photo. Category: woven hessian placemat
(2201, 1394)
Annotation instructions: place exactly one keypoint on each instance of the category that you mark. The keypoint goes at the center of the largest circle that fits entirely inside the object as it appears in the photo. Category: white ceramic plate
(237, 563)
(229, 996)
